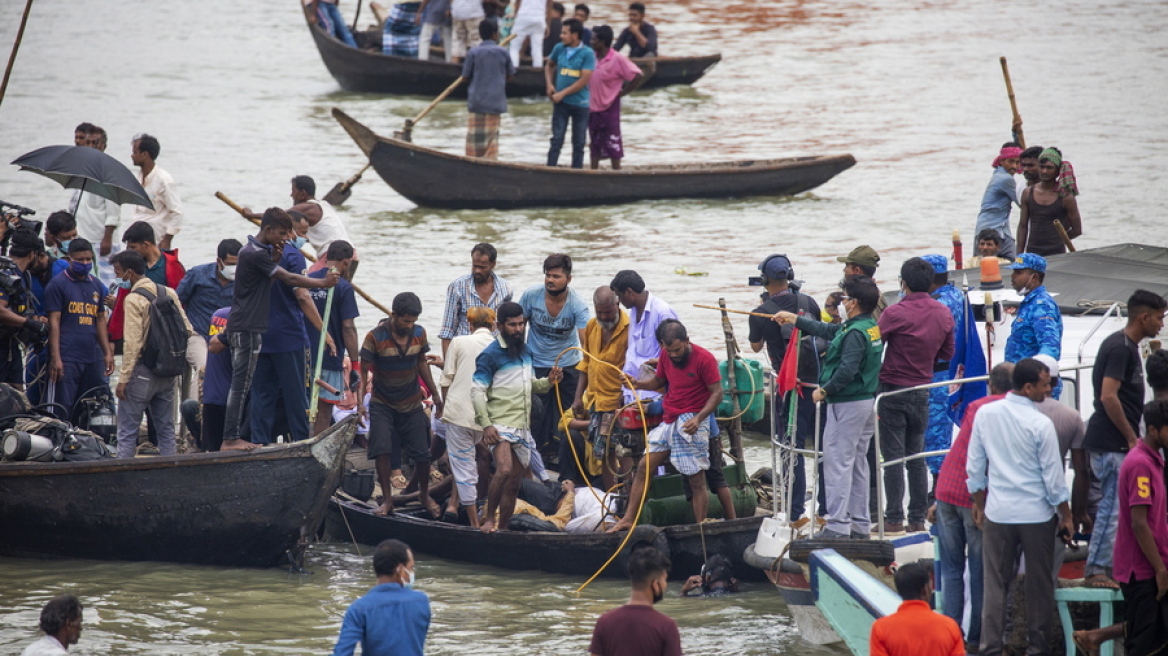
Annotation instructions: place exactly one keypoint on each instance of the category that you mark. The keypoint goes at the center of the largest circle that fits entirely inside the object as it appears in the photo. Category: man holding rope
(689, 374)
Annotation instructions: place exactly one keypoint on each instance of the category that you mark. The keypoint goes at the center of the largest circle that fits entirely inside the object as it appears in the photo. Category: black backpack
(165, 350)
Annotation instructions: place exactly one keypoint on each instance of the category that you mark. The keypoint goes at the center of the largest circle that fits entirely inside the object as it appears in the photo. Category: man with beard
(689, 373)
(637, 628)
(481, 287)
(598, 392)
(1028, 164)
(504, 381)
(557, 318)
(394, 355)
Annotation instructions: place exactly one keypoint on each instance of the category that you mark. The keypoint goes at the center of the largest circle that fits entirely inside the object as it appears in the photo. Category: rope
(580, 466)
(351, 536)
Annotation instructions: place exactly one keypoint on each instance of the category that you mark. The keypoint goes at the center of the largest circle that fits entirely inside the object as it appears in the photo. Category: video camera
(15, 215)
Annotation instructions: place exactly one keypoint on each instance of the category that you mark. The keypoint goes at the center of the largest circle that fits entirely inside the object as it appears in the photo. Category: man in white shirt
(324, 225)
(61, 623)
(97, 217)
(465, 16)
(1014, 451)
(167, 216)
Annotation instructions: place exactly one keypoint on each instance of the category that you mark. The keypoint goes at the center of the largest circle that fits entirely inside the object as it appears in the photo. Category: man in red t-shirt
(915, 629)
(1141, 538)
(637, 629)
(693, 390)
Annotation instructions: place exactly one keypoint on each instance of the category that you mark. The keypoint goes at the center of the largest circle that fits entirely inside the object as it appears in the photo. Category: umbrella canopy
(87, 169)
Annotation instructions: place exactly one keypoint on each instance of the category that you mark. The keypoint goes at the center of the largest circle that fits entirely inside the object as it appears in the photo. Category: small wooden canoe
(365, 71)
(432, 178)
(228, 508)
(576, 554)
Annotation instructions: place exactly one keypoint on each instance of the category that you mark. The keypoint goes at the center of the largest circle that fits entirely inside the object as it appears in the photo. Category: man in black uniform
(18, 323)
(782, 295)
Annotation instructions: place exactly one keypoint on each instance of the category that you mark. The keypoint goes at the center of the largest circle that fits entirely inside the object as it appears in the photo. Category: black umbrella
(87, 169)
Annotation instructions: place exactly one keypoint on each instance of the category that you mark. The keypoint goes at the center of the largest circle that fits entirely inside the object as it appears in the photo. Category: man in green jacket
(848, 385)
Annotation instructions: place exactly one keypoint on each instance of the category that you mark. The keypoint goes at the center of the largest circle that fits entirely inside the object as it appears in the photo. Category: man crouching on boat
(693, 392)
(504, 381)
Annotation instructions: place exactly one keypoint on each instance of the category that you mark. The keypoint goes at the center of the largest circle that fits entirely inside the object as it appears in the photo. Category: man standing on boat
(568, 71)
(1038, 325)
(598, 392)
(556, 318)
(393, 356)
(258, 269)
(465, 18)
(504, 382)
(863, 262)
(777, 273)
(1014, 452)
(481, 287)
(487, 69)
(693, 389)
(1114, 427)
(167, 215)
(1000, 196)
(324, 225)
(939, 433)
(646, 313)
(341, 328)
(918, 333)
(851, 369)
(614, 78)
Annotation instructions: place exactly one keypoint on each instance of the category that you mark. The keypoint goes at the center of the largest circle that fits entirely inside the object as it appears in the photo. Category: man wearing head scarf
(1048, 205)
(1000, 195)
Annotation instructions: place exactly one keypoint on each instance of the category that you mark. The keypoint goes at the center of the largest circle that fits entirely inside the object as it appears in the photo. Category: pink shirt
(1141, 483)
(609, 77)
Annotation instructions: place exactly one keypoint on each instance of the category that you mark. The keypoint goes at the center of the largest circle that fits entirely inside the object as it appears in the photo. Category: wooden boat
(435, 179)
(577, 554)
(228, 508)
(365, 71)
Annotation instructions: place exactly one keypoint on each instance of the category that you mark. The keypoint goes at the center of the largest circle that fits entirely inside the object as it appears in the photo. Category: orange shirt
(915, 630)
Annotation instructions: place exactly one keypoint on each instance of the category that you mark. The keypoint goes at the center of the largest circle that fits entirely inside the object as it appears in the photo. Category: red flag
(787, 378)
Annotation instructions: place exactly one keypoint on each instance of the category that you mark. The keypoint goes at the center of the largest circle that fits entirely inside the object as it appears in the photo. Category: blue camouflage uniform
(1038, 325)
(939, 433)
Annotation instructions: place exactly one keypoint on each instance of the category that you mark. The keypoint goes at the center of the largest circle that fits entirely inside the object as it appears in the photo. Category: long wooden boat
(366, 71)
(227, 508)
(432, 178)
(577, 554)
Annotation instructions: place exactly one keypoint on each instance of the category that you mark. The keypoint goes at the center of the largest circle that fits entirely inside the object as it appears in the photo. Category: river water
(240, 101)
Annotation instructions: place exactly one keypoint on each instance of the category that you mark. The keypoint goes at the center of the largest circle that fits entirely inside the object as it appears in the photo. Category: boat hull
(432, 178)
(363, 71)
(576, 554)
(231, 509)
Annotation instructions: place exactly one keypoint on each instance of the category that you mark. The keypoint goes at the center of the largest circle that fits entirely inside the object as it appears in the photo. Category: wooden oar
(1058, 225)
(235, 206)
(342, 190)
(1013, 104)
(722, 309)
(407, 130)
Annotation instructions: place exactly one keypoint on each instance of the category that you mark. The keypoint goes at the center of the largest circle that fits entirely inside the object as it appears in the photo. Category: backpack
(165, 350)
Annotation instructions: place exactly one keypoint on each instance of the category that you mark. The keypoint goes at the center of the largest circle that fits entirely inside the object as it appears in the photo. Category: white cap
(1050, 363)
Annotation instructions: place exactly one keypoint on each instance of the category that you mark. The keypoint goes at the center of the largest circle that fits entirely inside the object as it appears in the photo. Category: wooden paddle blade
(338, 194)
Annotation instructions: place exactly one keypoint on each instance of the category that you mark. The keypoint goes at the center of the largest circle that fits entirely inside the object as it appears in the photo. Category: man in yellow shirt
(606, 338)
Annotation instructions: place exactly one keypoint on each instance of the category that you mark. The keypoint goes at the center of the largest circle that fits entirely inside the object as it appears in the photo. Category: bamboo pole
(235, 206)
(723, 309)
(15, 48)
(1013, 104)
(735, 428)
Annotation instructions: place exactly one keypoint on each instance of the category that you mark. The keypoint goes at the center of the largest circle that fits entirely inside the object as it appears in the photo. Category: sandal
(399, 481)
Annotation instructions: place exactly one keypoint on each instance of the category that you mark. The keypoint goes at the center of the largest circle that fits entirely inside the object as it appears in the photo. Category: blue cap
(1028, 261)
(940, 262)
(776, 267)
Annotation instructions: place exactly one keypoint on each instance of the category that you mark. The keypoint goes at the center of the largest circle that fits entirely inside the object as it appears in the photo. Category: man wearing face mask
(392, 619)
(638, 629)
(80, 354)
(162, 267)
(1038, 325)
(60, 230)
(205, 289)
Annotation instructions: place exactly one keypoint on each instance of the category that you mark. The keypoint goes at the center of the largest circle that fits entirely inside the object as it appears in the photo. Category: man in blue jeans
(330, 20)
(568, 71)
(1118, 381)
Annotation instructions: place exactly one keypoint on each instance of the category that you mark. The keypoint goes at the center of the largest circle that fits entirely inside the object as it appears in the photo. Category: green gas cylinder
(748, 376)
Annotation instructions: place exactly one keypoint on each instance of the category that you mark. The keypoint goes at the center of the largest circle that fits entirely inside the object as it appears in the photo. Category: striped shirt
(503, 386)
(395, 367)
(461, 296)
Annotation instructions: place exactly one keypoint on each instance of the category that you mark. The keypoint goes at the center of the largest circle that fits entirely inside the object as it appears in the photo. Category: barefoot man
(693, 391)
(504, 381)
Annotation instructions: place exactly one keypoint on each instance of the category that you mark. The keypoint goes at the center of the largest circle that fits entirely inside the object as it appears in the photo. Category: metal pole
(879, 471)
(815, 466)
(774, 458)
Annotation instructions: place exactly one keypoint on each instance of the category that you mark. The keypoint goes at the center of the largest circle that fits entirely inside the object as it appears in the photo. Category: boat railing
(815, 453)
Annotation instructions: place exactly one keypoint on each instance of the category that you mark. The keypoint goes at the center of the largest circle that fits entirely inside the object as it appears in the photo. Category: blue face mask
(299, 242)
(63, 246)
(121, 284)
(80, 270)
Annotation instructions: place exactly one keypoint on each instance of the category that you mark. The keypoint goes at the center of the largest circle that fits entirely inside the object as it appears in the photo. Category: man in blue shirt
(79, 348)
(205, 289)
(556, 319)
(1000, 195)
(939, 432)
(487, 68)
(1038, 325)
(341, 330)
(392, 619)
(568, 71)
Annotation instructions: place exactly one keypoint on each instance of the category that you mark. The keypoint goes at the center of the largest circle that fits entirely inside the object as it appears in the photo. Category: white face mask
(409, 584)
(228, 271)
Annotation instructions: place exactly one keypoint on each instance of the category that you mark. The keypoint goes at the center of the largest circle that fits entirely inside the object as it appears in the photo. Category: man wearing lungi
(615, 76)
(487, 67)
(693, 390)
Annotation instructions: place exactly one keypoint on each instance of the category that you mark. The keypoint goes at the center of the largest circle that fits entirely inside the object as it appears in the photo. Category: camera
(15, 216)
